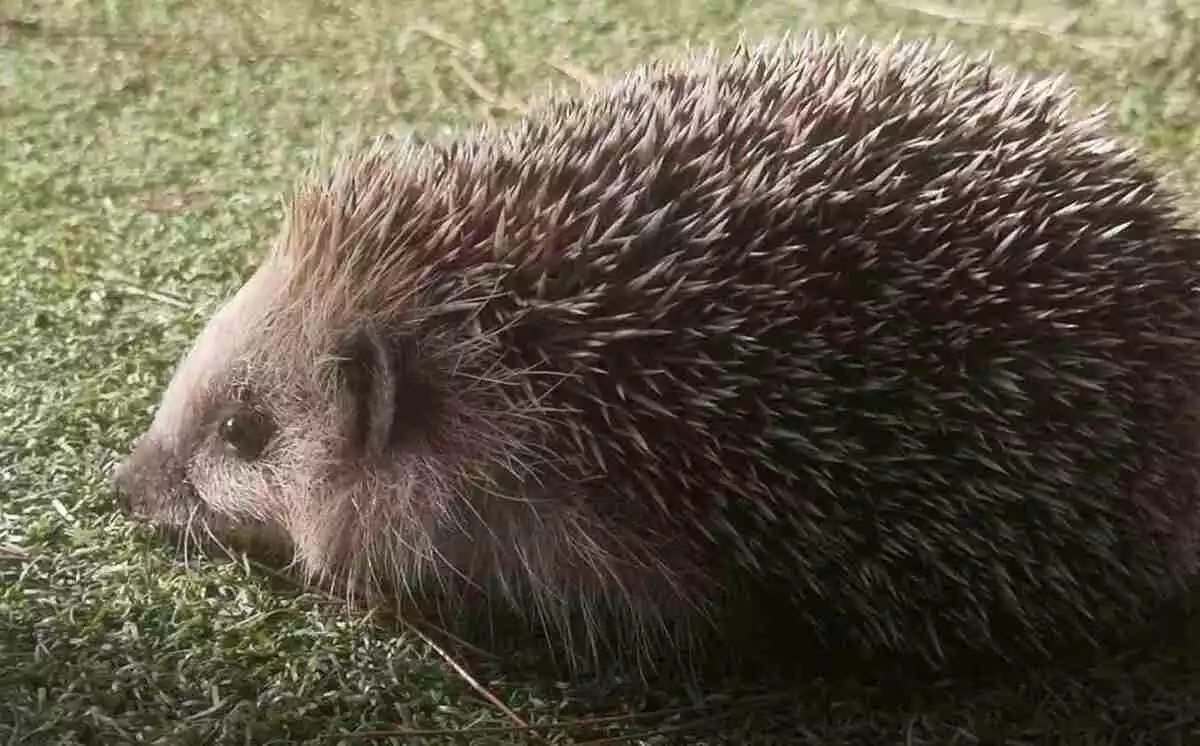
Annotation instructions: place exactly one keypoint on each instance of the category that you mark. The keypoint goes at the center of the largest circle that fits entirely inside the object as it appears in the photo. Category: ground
(145, 147)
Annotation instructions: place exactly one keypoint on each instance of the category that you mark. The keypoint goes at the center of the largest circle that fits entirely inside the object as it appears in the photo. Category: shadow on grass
(142, 654)
(1142, 687)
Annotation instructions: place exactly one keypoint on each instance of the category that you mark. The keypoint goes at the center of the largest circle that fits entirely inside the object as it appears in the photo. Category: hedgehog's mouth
(180, 517)
(199, 530)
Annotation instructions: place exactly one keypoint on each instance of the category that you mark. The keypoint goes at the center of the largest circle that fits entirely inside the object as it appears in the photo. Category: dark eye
(247, 432)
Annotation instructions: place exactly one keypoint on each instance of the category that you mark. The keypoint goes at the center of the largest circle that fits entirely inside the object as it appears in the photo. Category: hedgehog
(878, 345)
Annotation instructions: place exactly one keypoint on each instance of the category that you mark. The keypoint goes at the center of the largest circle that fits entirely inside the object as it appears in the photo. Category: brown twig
(583, 77)
(1051, 31)
(470, 680)
(127, 286)
(12, 551)
(441, 36)
(488, 96)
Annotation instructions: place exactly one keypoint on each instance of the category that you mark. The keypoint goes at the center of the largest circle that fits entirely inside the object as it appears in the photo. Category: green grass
(144, 150)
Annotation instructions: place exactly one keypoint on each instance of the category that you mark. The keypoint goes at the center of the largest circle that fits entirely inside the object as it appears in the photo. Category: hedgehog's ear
(375, 375)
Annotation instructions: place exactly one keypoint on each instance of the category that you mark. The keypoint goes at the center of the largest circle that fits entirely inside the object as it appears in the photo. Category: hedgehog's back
(922, 351)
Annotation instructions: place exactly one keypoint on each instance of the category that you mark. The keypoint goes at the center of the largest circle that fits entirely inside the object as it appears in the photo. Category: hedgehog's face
(208, 465)
(268, 445)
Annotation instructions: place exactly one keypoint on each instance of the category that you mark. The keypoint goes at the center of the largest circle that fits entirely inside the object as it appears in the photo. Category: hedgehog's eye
(247, 432)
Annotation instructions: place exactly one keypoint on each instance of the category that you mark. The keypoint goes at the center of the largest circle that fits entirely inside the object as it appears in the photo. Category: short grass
(144, 149)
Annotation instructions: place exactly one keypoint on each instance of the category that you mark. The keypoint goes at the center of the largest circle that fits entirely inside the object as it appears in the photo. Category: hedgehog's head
(340, 409)
(301, 421)
(276, 439)
(206, 460)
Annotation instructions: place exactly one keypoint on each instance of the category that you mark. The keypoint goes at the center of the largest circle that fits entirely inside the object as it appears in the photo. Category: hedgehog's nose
(119, 479)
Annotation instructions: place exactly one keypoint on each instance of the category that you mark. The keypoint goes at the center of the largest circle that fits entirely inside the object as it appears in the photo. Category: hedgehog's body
(885, 338)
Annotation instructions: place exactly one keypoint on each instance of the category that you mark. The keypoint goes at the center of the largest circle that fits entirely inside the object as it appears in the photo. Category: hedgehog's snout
(148, 477)
(120, 481)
